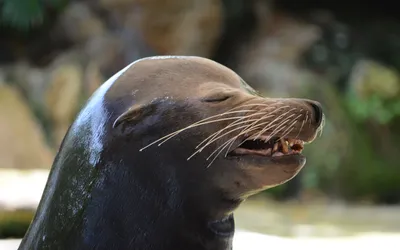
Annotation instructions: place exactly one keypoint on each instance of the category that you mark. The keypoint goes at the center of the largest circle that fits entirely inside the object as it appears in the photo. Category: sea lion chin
(163, 153)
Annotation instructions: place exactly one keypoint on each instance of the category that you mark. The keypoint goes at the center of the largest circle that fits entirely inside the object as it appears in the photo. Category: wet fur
(112, 187)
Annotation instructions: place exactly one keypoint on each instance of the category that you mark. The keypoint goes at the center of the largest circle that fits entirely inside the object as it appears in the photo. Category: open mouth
(273, 147)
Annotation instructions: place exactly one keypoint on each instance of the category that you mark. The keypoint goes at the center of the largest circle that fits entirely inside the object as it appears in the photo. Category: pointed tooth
(276, 146)
(285, 149)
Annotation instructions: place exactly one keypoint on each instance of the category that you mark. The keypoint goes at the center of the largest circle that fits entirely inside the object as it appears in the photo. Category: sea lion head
(223, 140)
(162, 154)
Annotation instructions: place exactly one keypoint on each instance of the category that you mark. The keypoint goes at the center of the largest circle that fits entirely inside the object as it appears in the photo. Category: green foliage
(373, 107)
(25, 14)
(14, 224)
(368, 174)
(21, 14)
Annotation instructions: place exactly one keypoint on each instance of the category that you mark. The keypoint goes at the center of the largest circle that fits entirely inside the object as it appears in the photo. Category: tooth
(268, 152)
(285, 149)
(275, 147)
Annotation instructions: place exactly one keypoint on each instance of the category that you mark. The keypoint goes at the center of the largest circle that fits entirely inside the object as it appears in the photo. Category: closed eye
(217, 98)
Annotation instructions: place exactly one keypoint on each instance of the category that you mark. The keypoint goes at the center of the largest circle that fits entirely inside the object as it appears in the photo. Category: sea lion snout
(266, 141)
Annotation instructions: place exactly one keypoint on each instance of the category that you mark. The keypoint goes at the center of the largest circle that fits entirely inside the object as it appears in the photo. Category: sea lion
(163, 153)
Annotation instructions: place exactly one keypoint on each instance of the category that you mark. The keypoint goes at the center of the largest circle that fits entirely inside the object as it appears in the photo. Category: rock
(2, 75)
(79, 24)
(22, 142)
(32, 81)
(271, 61)
(116, 3)
(92, 78)
(63, 97)
(56, 92)
(172, 27)
(106, 52)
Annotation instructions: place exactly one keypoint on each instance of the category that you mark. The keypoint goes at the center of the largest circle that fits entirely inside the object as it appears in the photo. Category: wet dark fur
(102, 193)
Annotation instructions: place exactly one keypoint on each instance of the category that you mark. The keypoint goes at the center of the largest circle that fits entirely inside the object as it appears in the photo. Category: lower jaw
(288, 160)
(275, 155)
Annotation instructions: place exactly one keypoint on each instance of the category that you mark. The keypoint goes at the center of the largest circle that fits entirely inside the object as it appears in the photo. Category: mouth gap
(269, 147)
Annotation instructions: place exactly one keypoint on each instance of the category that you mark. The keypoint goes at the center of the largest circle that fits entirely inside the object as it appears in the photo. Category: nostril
(318, 114)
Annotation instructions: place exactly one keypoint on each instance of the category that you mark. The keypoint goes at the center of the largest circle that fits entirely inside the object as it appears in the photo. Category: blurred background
(55, 53)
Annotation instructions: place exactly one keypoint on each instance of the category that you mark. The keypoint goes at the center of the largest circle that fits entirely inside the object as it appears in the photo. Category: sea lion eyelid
(220, 97)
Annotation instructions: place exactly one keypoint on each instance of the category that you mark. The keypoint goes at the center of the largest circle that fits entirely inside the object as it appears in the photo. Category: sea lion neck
(163, 209)
(102, 214)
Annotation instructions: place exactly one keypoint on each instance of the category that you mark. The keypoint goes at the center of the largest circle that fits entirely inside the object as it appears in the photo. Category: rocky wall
(349, 65)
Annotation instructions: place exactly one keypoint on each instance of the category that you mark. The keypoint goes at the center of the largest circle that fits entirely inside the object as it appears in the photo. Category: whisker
(263, 117)
(306, 116)
(196, 124)
(199, 123)
(294, 122)
(224, 145)
(276, 119)
(254, 104)
(250, 125)
(269, 126)
(232, 140)
(229, 148)
(284, 134)
(226, 133)
(234, 123)
(275, 132)
(269, 114)
(211, 138)
(242, 133)
(247, 131)
(253, 127)
(219, 148)
(215, 157)
(301, 127)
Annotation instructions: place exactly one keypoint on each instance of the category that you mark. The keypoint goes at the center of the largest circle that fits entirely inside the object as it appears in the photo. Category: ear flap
(133, 113)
